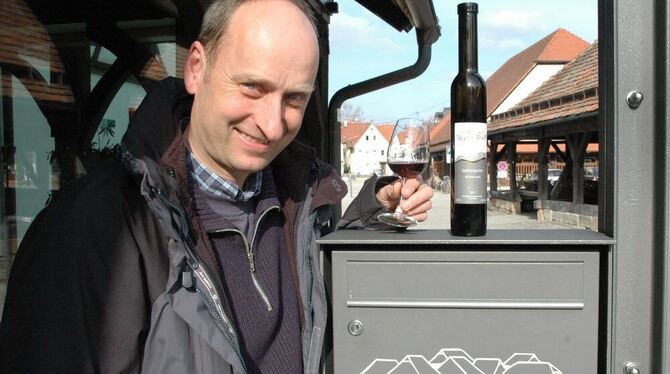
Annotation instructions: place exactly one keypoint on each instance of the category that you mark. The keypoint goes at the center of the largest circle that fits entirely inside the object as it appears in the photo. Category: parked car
(530, 182)
(591, 174)
(591, 185)
(553, 176)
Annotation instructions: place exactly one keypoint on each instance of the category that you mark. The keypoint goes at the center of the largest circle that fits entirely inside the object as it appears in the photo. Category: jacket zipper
(310, 276)
(212, 298)
(250, 255)
(308, 263)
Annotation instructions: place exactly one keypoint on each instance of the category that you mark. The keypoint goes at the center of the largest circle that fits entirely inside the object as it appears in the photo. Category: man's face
(250, 99)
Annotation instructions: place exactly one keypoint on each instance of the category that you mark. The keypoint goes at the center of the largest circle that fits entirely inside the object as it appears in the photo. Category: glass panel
(31, 175)
(33, 96)
(167, 62)
(58, 80)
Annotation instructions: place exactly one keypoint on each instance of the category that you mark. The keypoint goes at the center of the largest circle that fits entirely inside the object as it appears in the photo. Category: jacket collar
(156, 122)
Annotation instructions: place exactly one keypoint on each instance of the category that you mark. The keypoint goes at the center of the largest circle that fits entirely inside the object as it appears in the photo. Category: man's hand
(416, 197)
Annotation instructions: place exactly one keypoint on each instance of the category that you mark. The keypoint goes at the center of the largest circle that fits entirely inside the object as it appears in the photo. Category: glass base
(397, 219)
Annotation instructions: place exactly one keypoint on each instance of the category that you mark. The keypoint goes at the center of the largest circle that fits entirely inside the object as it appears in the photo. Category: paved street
(439, 215)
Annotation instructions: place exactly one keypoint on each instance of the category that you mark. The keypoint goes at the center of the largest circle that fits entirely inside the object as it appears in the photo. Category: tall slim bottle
(468, 133)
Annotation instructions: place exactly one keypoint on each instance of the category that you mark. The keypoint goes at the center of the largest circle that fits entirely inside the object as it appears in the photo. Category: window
(48, 141)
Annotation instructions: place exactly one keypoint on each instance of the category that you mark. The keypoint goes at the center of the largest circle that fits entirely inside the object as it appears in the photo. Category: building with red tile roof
(364, 146)
(561, 114)
(352, 131)
(440, 134)
(528, 69)
(572, 91)
(440, 138)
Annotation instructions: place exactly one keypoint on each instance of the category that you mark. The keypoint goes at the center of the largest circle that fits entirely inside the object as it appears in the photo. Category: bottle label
(470, 163)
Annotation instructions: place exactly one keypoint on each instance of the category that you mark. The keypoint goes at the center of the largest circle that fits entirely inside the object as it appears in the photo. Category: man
(198, 254)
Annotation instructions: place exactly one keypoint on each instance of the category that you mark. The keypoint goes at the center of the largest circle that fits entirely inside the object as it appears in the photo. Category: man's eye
(297, 98)
(251, 90)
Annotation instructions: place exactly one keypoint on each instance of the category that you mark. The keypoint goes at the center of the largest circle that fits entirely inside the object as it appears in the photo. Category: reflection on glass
(56, 118)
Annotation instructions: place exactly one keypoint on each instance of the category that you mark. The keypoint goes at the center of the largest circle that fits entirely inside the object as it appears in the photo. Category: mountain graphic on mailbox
(458, 361)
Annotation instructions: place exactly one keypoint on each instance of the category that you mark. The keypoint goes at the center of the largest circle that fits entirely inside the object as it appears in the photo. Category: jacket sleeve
(363, 211)
(76, 299)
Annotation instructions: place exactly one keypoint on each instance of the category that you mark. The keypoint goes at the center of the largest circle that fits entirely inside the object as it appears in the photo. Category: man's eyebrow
(242, 78)
(254, 78)
(303, 89)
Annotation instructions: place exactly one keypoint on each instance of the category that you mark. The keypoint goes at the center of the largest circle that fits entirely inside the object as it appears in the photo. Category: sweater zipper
(212, 295)
(250, 255)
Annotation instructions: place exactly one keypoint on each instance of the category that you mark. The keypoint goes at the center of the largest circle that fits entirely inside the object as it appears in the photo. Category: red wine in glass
(408, 169)
(408, 155)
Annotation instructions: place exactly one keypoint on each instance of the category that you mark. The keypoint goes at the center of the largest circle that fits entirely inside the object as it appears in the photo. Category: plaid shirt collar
(210, 182)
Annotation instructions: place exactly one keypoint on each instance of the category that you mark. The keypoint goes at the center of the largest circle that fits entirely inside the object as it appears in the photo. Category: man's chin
(253, 167)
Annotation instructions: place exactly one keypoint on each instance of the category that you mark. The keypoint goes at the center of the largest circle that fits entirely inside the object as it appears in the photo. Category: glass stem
(398, 209)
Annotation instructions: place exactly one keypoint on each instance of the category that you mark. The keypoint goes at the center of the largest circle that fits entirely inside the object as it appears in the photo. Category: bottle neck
(467, 41)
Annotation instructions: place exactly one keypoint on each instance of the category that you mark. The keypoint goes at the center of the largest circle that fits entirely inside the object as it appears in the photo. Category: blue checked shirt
(210, 182)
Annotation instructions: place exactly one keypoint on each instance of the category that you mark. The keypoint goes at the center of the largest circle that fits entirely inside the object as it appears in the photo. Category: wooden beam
(585, 125)
(543, 169)
(521, 134)
(511, 157)
(493, 169)
(499, 155)
(553, 128)
(562, 182)
(562, 154)
(578, 144)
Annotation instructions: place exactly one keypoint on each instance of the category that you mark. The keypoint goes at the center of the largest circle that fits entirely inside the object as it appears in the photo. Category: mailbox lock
(631, 368)
(355, 328)
(634, 99)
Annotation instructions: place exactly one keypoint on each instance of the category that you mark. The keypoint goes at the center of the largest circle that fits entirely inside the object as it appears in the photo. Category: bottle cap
(467, 8)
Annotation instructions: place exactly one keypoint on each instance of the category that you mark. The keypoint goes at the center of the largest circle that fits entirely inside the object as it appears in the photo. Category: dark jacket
(111, 276)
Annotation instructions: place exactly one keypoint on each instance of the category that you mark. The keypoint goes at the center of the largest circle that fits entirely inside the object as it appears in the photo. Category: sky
(363, 46)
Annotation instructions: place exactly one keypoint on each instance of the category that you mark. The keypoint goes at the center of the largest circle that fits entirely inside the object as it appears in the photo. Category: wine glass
(407, 156)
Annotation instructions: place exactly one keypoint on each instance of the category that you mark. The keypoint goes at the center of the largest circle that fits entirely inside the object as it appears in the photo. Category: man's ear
(194, 69)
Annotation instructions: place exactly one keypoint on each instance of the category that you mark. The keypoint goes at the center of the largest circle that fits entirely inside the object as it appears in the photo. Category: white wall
(369, 152)
(538, 75)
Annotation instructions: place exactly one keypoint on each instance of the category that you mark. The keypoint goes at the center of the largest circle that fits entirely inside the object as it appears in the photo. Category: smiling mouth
(253, 139)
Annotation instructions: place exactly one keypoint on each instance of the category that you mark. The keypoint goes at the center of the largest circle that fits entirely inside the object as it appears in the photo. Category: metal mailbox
(426, 302)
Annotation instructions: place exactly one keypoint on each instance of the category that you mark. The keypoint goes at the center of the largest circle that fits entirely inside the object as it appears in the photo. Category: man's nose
(271, 118)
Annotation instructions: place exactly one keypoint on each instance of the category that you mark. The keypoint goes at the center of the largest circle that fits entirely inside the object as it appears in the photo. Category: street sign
(503, 166)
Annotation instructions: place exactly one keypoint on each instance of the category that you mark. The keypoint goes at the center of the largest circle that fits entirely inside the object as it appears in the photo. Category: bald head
(217, 18)
(272, 24)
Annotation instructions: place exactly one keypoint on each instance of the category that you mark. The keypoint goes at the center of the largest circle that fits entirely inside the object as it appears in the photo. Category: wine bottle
(468, 133)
